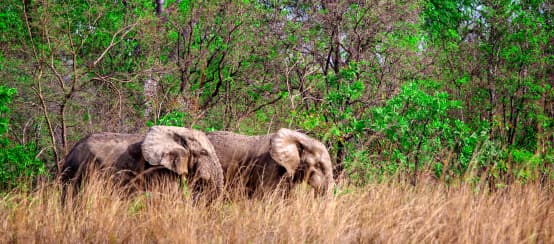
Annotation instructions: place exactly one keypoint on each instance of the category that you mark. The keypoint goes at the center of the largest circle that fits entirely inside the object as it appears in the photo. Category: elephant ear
(171, 147)
(286, 146)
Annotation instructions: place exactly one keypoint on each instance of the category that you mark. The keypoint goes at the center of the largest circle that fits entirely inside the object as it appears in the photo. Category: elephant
(262, 164)
(164, 151)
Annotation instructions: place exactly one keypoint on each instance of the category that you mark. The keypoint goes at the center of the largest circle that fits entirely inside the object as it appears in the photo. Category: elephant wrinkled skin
(162, 151)
(265, 163)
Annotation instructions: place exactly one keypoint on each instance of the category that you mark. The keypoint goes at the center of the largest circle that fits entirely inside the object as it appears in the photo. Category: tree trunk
(150, 90)
(339, 167)
(159, 7)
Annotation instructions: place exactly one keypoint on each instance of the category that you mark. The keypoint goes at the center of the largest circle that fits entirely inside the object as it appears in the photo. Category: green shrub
(19, 165)
(175, 118)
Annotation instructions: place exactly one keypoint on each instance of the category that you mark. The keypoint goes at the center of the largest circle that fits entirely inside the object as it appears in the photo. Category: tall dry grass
(375, 213)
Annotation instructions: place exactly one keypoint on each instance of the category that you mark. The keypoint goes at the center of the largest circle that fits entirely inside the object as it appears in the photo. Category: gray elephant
(262, 164)
(164, 151)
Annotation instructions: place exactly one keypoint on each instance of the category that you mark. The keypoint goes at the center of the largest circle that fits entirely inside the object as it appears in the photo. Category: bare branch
(113, 42)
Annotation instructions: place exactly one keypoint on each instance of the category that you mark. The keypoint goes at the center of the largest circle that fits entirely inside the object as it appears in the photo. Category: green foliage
(337, 116)
(419, 126)
(444, 18)
(6, 95)
(175, 118)
(18, 163)
(460, 88)
(11, 26)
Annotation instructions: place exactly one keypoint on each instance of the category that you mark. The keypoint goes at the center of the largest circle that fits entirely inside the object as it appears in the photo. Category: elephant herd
(211, 163)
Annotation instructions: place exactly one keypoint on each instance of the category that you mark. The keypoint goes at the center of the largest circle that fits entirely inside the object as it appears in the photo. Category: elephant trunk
(328, 189)
(322, 186)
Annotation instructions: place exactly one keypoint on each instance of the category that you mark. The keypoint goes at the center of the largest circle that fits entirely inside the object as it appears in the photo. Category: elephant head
(186, 152)
(296, 151)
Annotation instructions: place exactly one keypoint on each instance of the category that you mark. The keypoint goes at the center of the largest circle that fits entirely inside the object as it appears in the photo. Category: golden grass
(375, 213)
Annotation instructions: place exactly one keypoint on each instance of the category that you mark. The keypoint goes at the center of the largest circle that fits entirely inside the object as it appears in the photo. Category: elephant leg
(64, 194)
(70, 190)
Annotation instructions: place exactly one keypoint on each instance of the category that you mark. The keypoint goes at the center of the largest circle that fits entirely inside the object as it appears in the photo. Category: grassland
(377, 213)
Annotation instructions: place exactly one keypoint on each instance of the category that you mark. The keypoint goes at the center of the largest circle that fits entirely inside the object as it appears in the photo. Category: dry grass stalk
(375, 213)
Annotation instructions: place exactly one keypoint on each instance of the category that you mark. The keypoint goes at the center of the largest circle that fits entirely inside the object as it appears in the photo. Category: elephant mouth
(299, 176)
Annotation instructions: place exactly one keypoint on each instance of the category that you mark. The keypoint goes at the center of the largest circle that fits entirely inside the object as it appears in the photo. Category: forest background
(442, 91)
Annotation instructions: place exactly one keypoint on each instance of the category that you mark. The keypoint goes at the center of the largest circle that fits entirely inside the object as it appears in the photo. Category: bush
(18, 163)
(417, 131)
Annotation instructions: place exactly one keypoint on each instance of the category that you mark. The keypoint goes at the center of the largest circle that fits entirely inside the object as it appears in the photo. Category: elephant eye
(202, 152)
(321, 166)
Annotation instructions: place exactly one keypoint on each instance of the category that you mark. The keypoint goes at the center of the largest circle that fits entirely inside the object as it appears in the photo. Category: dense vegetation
(439, 115)
(448, 91)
